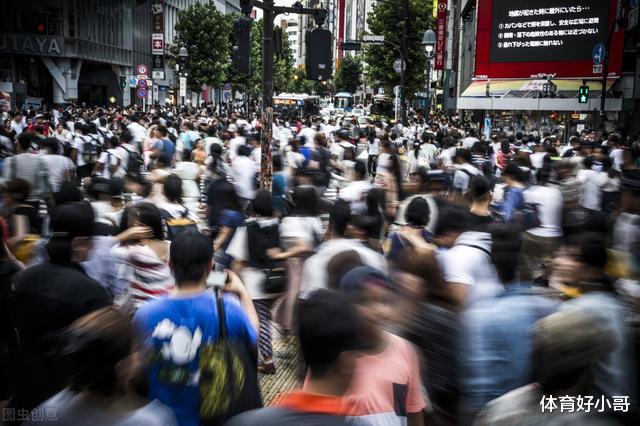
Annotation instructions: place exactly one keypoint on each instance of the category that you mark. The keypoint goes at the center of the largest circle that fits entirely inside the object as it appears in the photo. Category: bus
(343, 101)
(302, 105)
(382, 106)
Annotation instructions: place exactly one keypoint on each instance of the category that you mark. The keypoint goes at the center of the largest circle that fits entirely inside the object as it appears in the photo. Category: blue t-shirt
(173, 330)
(166, 147)
(188, 138)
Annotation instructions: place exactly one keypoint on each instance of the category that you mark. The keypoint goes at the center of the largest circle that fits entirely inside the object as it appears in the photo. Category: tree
(387, 19)
(349, 75)
(203, 30)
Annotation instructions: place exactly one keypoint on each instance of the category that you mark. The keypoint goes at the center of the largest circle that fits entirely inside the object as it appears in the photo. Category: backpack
(134, 163)
(525, 216)
(263, 238)
(90, 150)
(112, 169)
(175, 226)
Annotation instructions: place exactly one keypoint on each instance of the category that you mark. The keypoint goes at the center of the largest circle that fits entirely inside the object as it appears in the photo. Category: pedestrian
(174, 329)
(101, 360)
(38, 310)
(329, 341)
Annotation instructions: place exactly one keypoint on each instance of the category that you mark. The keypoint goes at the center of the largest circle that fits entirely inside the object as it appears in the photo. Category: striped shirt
(148, 275)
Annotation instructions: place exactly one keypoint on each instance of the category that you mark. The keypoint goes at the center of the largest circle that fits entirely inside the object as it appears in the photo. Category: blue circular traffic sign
(142, 93)
(599, 52)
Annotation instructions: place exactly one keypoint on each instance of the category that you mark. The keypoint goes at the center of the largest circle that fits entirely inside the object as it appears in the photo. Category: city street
(319, 212)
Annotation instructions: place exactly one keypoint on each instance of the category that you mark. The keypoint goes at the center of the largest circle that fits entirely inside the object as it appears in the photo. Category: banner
(157, 36)
(441, 35)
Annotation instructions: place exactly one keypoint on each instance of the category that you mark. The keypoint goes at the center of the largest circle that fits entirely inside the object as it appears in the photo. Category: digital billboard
(565, 38)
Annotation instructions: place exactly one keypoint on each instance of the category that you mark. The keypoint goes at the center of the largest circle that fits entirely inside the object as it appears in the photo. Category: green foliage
(300, 84)
(349, 76)
(388, 20)
(204, 31)
(284, 67)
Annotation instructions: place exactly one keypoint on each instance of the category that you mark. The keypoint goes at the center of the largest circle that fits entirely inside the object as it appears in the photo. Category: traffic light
(583, 94)
(123, 82)
(241, 55)
(318, 60)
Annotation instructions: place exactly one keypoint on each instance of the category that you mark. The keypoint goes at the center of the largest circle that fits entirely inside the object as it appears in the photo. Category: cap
(358, 278)
(572, 339)
(232, 128)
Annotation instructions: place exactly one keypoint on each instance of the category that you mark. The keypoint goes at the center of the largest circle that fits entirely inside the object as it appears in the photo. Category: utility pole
(605, 71)
(403, 94)
(270, 12)
(266, 162)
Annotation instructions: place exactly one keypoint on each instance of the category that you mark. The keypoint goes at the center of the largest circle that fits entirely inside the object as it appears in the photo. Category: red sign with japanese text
(441, 34)
(533, 38)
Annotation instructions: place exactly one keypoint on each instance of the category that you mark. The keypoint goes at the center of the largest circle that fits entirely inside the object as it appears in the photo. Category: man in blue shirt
(163, 149)
(496, 346)
(175, 327)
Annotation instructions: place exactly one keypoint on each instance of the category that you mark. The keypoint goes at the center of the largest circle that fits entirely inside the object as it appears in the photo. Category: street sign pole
(270, 12)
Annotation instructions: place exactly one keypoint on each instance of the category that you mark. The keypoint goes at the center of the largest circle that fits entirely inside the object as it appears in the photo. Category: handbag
(228, 381)
(275, 278)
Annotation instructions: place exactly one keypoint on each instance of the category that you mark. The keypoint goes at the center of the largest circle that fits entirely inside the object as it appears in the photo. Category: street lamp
(429, 44)
(183, 54)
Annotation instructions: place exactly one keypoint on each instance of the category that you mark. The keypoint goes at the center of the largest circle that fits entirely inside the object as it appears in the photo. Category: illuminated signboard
(526, 38)
(284, 101)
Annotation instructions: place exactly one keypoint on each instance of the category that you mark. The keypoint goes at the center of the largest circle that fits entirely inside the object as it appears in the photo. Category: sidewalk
(287, 365)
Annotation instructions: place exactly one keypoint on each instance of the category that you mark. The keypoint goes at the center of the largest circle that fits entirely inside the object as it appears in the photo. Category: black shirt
(44, 300)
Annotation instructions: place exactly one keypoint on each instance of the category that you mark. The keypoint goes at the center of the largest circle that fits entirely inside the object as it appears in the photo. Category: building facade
(291, 31)
(87, 51)
(63, 51)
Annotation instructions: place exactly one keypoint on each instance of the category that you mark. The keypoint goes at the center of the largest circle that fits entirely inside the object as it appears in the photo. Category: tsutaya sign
(31, 44)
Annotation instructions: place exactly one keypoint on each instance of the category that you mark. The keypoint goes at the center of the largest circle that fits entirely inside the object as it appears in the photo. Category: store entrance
(92, 94)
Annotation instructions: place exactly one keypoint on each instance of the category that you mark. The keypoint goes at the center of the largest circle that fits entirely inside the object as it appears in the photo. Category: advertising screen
(565, 38)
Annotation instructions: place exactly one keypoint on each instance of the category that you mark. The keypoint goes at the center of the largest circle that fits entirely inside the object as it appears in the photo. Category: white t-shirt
(110, 156)
(244, 171)
(78, 144)
(18, 127)
(354, 194)
(374, 147)
(617, 155)
(462, 178)
(57, 168)
(309, 134)
(548, 201)
(314, 270)
(469, 262)
(590, 190)
(537, 159)
(234, 144)
(305, 228)
(469, 141)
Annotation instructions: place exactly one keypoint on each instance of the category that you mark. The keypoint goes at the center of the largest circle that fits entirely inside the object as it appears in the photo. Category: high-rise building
(291, 31)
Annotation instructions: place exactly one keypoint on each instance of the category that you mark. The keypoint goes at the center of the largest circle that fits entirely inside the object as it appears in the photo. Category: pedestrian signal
(583, 94)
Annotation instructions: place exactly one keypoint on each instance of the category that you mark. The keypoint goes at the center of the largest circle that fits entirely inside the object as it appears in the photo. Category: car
(358, 112)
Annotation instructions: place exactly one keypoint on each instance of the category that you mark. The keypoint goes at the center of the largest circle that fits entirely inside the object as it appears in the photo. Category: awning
(522, 88)
(522, 95)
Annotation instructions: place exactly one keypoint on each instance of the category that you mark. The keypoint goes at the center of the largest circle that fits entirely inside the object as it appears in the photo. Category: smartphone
(217, 279)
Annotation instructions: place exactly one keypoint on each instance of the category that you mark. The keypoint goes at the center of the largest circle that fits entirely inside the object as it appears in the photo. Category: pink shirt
(386, 386)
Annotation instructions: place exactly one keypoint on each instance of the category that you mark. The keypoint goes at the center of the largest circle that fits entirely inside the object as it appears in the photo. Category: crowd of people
(458, 279)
